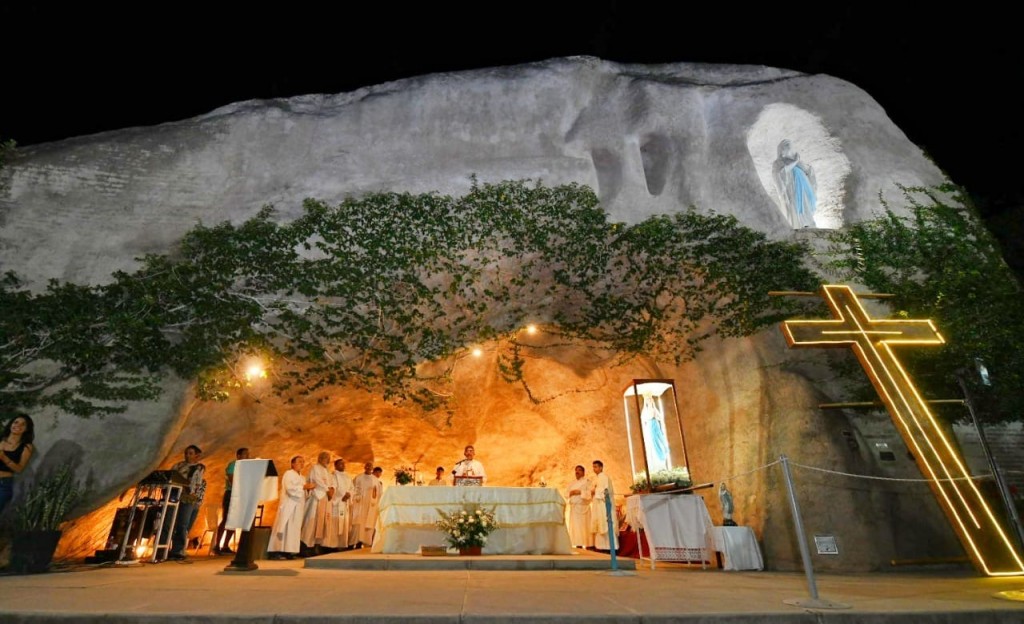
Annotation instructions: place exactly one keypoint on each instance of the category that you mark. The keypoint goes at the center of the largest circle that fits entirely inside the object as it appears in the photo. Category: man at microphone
(470, 467)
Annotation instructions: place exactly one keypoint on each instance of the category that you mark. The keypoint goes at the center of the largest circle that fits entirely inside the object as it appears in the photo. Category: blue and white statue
(653, 421)
(796, 185)
(725, 497)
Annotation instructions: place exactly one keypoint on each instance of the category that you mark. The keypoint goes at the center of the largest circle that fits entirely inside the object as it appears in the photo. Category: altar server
(439, 477)
(581, 492)
(285, 537)
(603, 490)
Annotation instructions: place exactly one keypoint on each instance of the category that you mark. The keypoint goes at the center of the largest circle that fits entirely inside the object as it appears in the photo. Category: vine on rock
(386, 291)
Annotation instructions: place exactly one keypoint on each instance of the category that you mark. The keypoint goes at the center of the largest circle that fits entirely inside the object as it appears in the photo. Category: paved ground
(281, 592)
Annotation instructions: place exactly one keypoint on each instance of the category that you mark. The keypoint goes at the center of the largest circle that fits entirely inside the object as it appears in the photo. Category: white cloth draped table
(250, 486)
(532, 520)
(739, 548)
(677, 526)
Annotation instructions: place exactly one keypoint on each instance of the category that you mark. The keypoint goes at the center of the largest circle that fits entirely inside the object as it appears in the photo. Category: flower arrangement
(403, 475)
(679, 476)
(467, 527)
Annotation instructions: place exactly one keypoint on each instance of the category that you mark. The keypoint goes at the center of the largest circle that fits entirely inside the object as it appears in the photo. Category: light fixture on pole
(997, 474)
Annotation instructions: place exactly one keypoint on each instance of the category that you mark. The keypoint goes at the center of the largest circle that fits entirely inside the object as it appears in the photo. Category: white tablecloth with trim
(532, 520)
(677, 526)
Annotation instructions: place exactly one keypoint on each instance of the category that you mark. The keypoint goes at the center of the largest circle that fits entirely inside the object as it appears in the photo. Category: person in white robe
(470, 466)
(366, 490)
(439, 478)
(603, 490)
(581, 492)
(318, 503)
(340, 521)
(285, 537)
(378, 473)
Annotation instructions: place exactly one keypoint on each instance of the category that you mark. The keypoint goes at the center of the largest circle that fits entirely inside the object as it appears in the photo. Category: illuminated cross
(872, 340)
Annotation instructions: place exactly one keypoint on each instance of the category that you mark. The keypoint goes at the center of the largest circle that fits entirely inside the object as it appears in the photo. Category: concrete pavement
(280, 592)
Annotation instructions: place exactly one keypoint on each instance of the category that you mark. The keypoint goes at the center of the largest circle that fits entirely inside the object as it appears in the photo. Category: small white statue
(725, 496)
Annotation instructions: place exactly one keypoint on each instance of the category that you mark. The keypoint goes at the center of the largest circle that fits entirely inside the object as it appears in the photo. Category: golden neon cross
(981, 533)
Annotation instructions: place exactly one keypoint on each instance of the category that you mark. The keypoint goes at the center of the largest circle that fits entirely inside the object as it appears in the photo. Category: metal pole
(795, 508)
(1004, 491)
(611, 529)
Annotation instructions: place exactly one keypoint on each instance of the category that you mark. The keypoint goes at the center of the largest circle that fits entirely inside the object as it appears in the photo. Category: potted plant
(467, 529)
(38, 518)
(403, 476)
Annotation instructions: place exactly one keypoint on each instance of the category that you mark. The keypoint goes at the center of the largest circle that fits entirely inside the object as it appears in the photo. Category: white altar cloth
(249, 487)
(532, 520)
(738, 546)
(677, 526)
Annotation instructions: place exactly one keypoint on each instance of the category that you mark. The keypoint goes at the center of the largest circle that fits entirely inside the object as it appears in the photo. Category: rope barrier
(743, 474)
(874, 478)
(856, 476)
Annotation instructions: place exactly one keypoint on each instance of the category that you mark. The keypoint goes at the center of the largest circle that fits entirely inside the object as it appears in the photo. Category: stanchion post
(611, 530)
(801, 539)
(805, 553)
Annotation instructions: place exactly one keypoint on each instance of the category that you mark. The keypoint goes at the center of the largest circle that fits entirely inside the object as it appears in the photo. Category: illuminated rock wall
(649, 139)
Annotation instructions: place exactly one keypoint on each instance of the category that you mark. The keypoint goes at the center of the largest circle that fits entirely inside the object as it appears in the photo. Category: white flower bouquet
(467, 527)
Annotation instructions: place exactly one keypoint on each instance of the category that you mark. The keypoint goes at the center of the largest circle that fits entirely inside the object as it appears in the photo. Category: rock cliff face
(649, 139)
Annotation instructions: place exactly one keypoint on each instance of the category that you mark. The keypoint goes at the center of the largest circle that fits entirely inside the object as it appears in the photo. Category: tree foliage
(941, 263)
(366, 292)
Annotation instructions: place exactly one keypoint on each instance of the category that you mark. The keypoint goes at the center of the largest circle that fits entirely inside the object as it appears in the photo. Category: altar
(532, 520)
(677, 526)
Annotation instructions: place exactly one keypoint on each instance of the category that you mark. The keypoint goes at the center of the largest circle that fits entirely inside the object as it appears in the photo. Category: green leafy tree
(68, 347)
(941, 263)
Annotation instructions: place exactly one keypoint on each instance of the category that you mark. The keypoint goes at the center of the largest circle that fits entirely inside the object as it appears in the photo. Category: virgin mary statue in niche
(796, 185)
(653, 419)
(654, 433)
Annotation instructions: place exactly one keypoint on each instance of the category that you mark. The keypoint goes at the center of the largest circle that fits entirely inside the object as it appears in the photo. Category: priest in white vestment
(339, 522)
(581, 492)
(318, 502)
(470, 466)
(286, 535)
(367, 490)
(603, 490)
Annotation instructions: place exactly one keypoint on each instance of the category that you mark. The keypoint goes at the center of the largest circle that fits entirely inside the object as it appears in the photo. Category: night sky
(948, 81)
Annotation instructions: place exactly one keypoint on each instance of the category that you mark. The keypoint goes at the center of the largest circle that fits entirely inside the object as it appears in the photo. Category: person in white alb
(339, 523)
(470, 466)
(603, 489)
(581, 492)
(318, 504)
(285, 537)
(367, 490)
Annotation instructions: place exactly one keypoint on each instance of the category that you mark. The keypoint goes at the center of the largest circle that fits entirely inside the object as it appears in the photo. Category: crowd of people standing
(326, 510)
